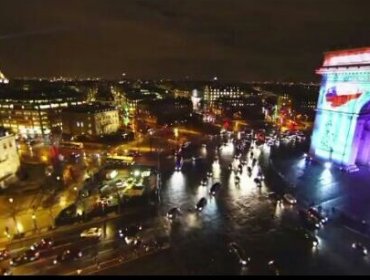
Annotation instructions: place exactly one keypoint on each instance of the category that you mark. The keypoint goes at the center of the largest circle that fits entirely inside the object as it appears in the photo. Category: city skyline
(233, 40)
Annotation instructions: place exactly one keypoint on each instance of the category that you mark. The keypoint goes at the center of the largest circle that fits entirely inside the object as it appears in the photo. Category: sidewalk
(47, 232)
(121, 260)
(313, 183)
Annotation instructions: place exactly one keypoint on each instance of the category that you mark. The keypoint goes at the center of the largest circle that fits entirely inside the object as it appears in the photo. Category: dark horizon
(173, 39)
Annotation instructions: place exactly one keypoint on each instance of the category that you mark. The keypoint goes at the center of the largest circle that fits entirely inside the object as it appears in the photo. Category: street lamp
(34, 220)
(176, 133)
(11, 201)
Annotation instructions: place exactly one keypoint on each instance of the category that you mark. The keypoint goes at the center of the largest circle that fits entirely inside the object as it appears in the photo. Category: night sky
(232, 39)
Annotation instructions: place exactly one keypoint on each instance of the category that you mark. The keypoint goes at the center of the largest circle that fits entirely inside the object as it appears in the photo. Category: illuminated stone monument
(341, 131)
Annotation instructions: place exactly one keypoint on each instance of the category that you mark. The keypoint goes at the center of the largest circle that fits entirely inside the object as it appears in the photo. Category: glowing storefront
(342, 125)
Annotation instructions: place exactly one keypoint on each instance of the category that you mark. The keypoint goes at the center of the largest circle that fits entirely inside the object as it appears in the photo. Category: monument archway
(342, 125)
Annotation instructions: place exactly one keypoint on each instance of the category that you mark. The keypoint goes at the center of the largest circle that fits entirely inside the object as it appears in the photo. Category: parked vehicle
(201, 204)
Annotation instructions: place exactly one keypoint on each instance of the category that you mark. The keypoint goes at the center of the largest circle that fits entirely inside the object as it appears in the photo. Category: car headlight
(314, 243)
(353, 245)
(365, 251)
(244, 262)
(55, 262)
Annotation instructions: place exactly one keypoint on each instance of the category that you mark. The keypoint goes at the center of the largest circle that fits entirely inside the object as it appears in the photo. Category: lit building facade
(342, 124)
(33, 113)
(9, 159)
(90, 119)
(213, 93)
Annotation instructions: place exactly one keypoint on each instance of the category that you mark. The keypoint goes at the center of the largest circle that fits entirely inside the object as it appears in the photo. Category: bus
(72, 145)
(120, 160)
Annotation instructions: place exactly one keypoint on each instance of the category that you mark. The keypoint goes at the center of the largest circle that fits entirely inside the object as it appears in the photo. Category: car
(257, 180)
(309, 221)
(204, 181)
(179, 163)
(173, 213)
(92, 233)
(360, 248)
(185, 145)
(129, 234)
(84, 193)
(315, 213)
(68, 215)
(289, 198)
(129, 182)
(201, 204)
(311, 239)
(5, 272)
(237, 156)
(4, 254)
(204, 145)
(75, 155)
(272, 196)
(134, 154)
(214, 189)
(43, 244)
(27, 256)
(239, 253)
(68, 255)
(119, 183)
(273, 267)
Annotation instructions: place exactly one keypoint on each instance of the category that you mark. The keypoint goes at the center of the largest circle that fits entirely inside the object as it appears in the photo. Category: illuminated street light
(176, 132)
(327, 165)
(11, 200)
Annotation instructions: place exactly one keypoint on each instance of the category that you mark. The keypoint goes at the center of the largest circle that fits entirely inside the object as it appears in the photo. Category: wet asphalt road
(242, 214)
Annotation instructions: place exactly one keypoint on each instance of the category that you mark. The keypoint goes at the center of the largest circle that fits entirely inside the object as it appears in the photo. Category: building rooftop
(44, 93)
(358, 56)
(90, 108)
